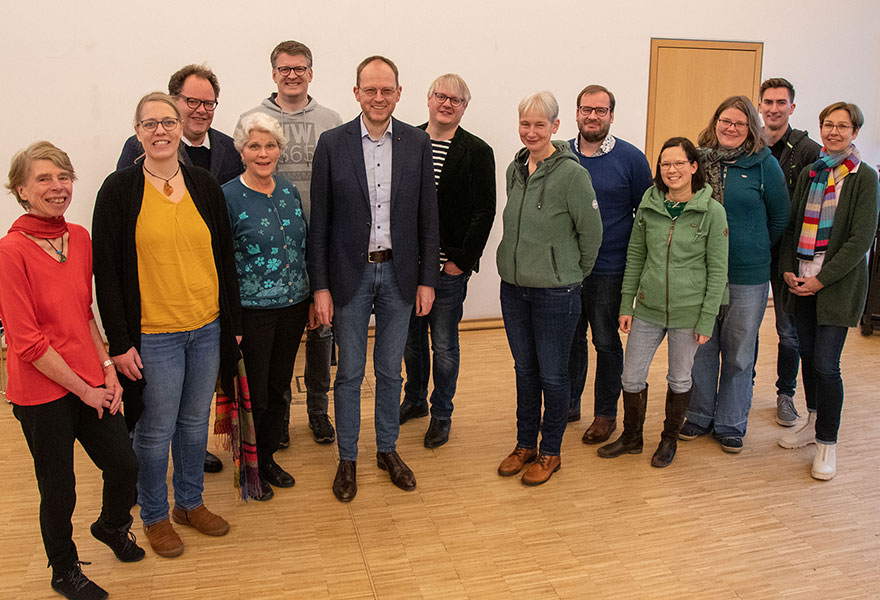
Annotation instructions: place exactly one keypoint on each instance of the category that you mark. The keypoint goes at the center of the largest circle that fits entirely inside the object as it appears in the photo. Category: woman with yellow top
(168, 296)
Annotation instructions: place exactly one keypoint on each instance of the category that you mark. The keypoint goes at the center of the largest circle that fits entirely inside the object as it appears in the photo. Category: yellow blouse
(178, 279)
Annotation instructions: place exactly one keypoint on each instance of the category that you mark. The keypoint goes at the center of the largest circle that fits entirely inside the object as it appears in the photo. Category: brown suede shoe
(541, 471)
(516, 460)
(599, 430)
(201, 519)
(163, 539)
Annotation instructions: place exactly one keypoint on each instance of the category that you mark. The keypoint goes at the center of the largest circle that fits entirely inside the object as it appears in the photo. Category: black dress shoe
(408, 411)
(212, 463)
(401, 475)
(267, 491)
(271, 472)
(345, 484)
(438, 433)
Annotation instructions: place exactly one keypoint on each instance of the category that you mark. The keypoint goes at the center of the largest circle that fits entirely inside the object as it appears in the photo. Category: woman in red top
(62, 383)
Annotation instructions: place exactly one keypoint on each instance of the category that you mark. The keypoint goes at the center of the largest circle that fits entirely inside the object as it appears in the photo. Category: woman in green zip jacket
(676, 270)
(822, 261)
(552, 233)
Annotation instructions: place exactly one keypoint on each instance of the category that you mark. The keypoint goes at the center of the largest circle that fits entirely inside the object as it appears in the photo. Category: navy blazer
(225, 159)
(341, 220)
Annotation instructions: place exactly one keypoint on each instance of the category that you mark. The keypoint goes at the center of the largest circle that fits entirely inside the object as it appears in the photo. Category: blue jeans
(820, 350)
(379, 292)
(641, 344)
(787, 353)
(180, 371)
(723, 402)
(601, 306)
(319, 347)
(443, 322)
(540, 324)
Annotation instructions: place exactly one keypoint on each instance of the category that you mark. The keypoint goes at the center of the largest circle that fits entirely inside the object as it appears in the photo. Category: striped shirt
(440, 149)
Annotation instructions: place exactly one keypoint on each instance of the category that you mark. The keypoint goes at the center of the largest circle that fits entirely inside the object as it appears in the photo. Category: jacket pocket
(554, 264)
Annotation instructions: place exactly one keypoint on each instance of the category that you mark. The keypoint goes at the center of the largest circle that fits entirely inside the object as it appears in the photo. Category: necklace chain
(60, 253)
(167, 188)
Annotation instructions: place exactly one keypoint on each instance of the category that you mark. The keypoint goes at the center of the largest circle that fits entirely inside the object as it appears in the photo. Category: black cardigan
(466, 199)
(116, 271)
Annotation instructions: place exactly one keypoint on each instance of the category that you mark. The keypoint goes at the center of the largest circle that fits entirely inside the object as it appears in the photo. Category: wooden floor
(712, 525)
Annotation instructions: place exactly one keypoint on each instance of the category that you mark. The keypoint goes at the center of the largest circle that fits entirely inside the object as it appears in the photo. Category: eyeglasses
(828, 127)
(453, 100)
(600, 111)
(726, 123)
(384, 92)
(298, 71)
(194, 103)
(168, 124)
(677, 165)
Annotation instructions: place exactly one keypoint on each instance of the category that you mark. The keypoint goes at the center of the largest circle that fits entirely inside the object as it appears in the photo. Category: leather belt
(379, 256)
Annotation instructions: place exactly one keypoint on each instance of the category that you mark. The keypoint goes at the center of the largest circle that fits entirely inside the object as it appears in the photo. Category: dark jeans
(319, 348)
(540, 323)
(50, 430)
(787, 352)
(269, 344)
(443, 322)
(820, 350)
(601, 306)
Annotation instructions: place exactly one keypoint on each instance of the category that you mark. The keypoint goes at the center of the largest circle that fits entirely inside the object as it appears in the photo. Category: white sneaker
(825, 461)
(803, 436)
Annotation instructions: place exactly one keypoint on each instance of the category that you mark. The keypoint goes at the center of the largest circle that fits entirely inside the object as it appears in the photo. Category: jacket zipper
(519, 229)
(668, 247)
(553, 262)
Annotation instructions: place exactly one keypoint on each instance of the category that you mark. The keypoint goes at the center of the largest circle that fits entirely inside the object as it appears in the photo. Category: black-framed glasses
(453, 100)
(738, 125)
(600, 111)
(168, 124)
(194, 103)
(299, 71)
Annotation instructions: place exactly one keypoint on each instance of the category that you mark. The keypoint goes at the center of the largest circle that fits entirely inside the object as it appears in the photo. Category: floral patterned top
(269, 239)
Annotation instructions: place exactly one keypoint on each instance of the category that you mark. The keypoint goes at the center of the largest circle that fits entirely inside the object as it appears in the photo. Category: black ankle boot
(72, 583)
(630, 441)
(676, 407)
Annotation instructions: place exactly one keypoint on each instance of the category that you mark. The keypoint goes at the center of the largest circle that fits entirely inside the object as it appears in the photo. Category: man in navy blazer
(373, 247)
(195, 89)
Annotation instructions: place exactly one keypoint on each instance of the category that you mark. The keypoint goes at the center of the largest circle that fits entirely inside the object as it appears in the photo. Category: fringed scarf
(827, 175)
(712, 159)
(234, 429)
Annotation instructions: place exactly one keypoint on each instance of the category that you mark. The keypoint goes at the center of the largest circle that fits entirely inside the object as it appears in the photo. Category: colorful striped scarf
(234, 429)
(827, 175)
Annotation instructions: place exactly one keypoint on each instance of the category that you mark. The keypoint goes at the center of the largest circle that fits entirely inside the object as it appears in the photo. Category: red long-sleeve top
(45, 303)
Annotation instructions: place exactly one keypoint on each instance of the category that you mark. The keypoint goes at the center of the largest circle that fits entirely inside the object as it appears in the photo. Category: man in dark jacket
(464, 172)
(794, 150)
(195, 89)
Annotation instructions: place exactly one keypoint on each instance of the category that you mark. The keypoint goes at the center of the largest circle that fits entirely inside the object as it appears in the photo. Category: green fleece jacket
(552, 228)
(845, 269)
(676, 271)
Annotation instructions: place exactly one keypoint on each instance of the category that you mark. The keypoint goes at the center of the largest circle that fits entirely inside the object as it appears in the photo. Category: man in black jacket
(464, 172)
(794, 150)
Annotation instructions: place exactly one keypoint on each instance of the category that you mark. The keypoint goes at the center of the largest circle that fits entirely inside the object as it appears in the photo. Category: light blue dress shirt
(377, 162)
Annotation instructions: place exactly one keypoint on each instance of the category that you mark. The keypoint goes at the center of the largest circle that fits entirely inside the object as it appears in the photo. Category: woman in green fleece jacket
(822, 260)
(676, 270)
(552, 233)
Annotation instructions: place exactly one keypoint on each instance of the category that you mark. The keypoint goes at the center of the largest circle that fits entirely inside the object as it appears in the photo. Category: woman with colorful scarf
(62, 383)
(748, 182)
(822, 260)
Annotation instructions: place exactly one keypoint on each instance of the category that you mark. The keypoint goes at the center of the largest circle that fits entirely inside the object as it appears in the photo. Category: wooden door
(689, 79)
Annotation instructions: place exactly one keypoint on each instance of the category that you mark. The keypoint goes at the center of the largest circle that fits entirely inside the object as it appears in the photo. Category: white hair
(543, 102)
(260, 121)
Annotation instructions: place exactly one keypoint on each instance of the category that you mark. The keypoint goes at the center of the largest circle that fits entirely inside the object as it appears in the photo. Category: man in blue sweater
(620, 174)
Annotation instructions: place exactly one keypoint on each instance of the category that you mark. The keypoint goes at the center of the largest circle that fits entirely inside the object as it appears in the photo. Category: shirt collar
(205, 144)
(366, 134)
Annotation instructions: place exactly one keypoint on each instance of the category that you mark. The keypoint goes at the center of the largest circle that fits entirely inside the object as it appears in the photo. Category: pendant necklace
(60, 253)
(167, 189)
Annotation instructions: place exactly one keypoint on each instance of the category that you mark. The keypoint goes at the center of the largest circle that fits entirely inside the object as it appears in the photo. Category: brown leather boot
(599, 430)
(541, 470)
(163, 539)
(516, 460)
(630, 441)
(676, 407)
(201, 519)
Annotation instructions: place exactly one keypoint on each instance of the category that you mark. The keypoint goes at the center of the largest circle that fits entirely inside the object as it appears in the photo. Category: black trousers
(50, 430)
(270, 340)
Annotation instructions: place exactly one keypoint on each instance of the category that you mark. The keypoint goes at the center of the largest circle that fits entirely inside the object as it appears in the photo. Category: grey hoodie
(302, 128)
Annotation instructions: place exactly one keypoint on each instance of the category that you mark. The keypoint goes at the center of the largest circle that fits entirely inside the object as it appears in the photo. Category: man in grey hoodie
(303, 121)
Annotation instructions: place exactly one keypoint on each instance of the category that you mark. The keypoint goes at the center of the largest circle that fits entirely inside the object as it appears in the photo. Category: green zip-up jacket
(676, 271)
(552, 228)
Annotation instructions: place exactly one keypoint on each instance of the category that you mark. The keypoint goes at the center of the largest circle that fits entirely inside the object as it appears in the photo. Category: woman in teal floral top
(269, 233)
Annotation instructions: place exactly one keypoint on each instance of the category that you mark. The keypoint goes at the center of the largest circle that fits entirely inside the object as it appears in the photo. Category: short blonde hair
(544, 102)
(154, 97)
(20, 167)
(259, 121)
(455, 83)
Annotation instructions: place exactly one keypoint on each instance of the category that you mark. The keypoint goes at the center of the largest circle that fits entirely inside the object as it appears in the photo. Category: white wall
(73, 73)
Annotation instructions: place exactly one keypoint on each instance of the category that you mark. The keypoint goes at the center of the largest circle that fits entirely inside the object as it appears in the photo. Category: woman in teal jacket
(676, 270)
(822, 260)
(748, 182)
(552, 233)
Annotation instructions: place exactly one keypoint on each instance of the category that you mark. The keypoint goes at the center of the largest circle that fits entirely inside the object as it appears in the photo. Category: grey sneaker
(786, 414)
